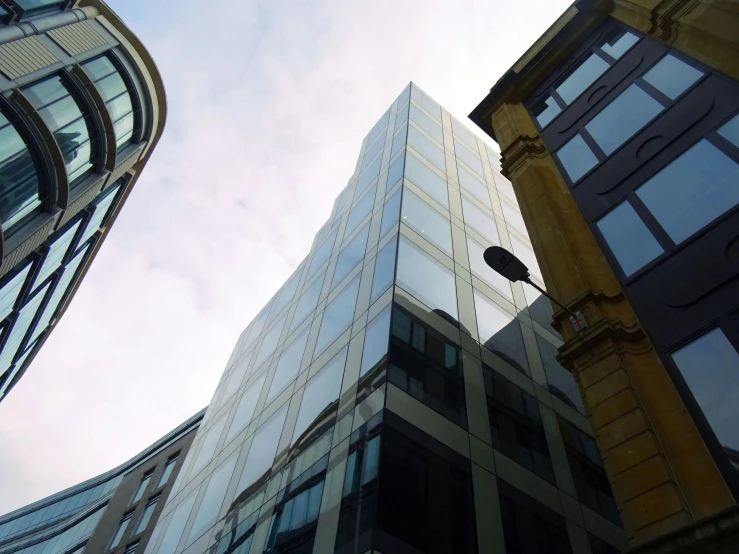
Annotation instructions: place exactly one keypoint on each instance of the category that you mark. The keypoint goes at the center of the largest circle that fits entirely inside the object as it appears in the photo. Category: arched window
(117, 96)
(70, 122)
(19, 185)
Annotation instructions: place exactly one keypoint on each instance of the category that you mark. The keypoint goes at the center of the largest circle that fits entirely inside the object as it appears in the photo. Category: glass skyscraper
(396, 395)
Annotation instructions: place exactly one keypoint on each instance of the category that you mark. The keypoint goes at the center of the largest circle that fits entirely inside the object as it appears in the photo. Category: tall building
(619, 129)
(81, 107)
(115, 512)
(395, 395)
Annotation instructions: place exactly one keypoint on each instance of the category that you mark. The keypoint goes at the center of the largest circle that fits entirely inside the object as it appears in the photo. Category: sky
(268, 104)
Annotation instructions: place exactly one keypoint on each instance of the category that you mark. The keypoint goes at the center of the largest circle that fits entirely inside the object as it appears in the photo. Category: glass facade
(399, 382)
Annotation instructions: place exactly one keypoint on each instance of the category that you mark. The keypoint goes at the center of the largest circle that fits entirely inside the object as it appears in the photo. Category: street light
(514, 270)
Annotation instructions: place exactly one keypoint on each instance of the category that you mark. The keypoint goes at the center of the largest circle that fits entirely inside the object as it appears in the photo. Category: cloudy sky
(268, 104)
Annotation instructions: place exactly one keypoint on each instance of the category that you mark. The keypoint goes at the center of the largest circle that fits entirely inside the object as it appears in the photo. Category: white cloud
(268, 106)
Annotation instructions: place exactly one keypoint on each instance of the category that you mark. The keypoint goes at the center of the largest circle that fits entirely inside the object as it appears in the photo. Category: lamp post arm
(578, 321)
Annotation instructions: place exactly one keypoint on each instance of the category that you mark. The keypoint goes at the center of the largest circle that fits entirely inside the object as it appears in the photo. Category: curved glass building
(82, 105)
(395, 395)
(114, 512)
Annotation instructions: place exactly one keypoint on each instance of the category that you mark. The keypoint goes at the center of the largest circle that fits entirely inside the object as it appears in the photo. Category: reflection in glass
(480, 222)
(245, 409)
(580, 79)
(710, 367)
(338, 316)
(321, 393)
(378, 128)
(632, 244)
(513, 217)
(500, 332)
(504, 187)
(177, 525)
(539, 309)
(426, 179)
(464, 134)
(468, 157)
(561, 382)
(384, 270)
(618, 42)
(208, 446)
(146, 515)
(426, 148)
(577, 158)
(9, 293)
(425, 278)
(427, 123)
(210, 505)
(369, 175)
(622, 118)
(483, 271)
(395, 173)
(426, 221)
(529, 526)
(322, 254)
(288, 292)
(545, 110)
(692, 191)
(671, 76)
(474, 186)
(390, 214)
(350, 256)
(399, 140)
(359, 212)
(19, 194)
(373, 150)
(288, 366)
(730, 130)
(262, 451)
(307, 302)
(426, 103)
(236, 378)
(375, 340)
(271, 339)
(524, 253)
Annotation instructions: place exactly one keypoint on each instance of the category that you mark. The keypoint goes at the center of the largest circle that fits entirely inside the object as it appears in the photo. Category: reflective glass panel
(307, 302)
(710, 367)
(618, 42)
(390, 214)
(730, 130)
(513, 217)
(632, 244)
(622, 118)
(484, 272)
(384, 269)
(288, 292)
(373, 150)
(580, 79)
(426, 103)
(425, 278)
(426, 179)
(426, 148)
(672, 77)
(378, 128)
(141, 488)
(524, 253)
(468, 157)
(236, 378)
(322, 254)
(505, 188)
(168, 469)
(338, 316)
(9, 293)
(426, 221)
(480, 222)
(208, 446)
(561, 382)
(359, 212)
(395, 173)
(122, 526)
(321, 392)
(545, 110)
(399, 140)
(146, 515)
(500, 332)
(376, 340)
(263, 450)
(245, 410)
(271, 339)
(177, 525)
(427, 123)
(577, 158)
(692, 191)
(210, 505)
(369, 175)
(288, 366)
(19, 193)
(474, 186)
(464, 134)
(351, 255)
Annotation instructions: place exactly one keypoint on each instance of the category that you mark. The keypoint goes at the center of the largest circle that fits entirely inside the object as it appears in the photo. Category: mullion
(590, 141)
(653, 92)
(652, 224)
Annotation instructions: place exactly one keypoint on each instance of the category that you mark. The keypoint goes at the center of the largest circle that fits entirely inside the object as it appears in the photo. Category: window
(100, 208)
(64, 116)
(545, 111)
(321, 392)
(482, 270)
(57, 250)
(10, 291)
(390, 214)
(671, 76)
(384, 269)
(427, 366)
(622, 118)
(480, 222)
(513, 217)
(256, 327)
(516, 426)
(151, 505)
(581, 78)
(427, 222)
(117, 97)
(351, 255)
(372, 151)
(288, 292)
(617, 42)
(561, 382)
(142, 487)
(236, 378)
(177, 525)
(395, 173)
(369, 175)
(426, 148)
(730, 130)
(468, 157)
(359, 212)
(505, 188)
(500, 332)
(19, 185)
(399, 141)
(577, 158)
(710, 367)
(426, 103)
(426, 179)
(168, 469)
(122, 526)
(375, 341)
(474, 186)
(322, 254)
(215, 494)
(262, 452)
(18, 332)
(464, 134)
(245, 410)
(692, 191)
(208, 446)
(427, 123)
(530, 527)
(288, 366)
(632, 244)
(599, 546)
(270, 342)
(308, 302)
(586, 465)
(130, 549)
(427, 279)
(527, 256)
(338, 316)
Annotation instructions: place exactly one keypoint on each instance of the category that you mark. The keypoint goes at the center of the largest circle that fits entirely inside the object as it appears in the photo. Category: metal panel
(81, 202)
(24, 56)
(27, 246)
(78, 38)
(124, 166)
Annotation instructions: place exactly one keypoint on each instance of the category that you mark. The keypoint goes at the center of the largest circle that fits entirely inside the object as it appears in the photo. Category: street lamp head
(506, 264)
